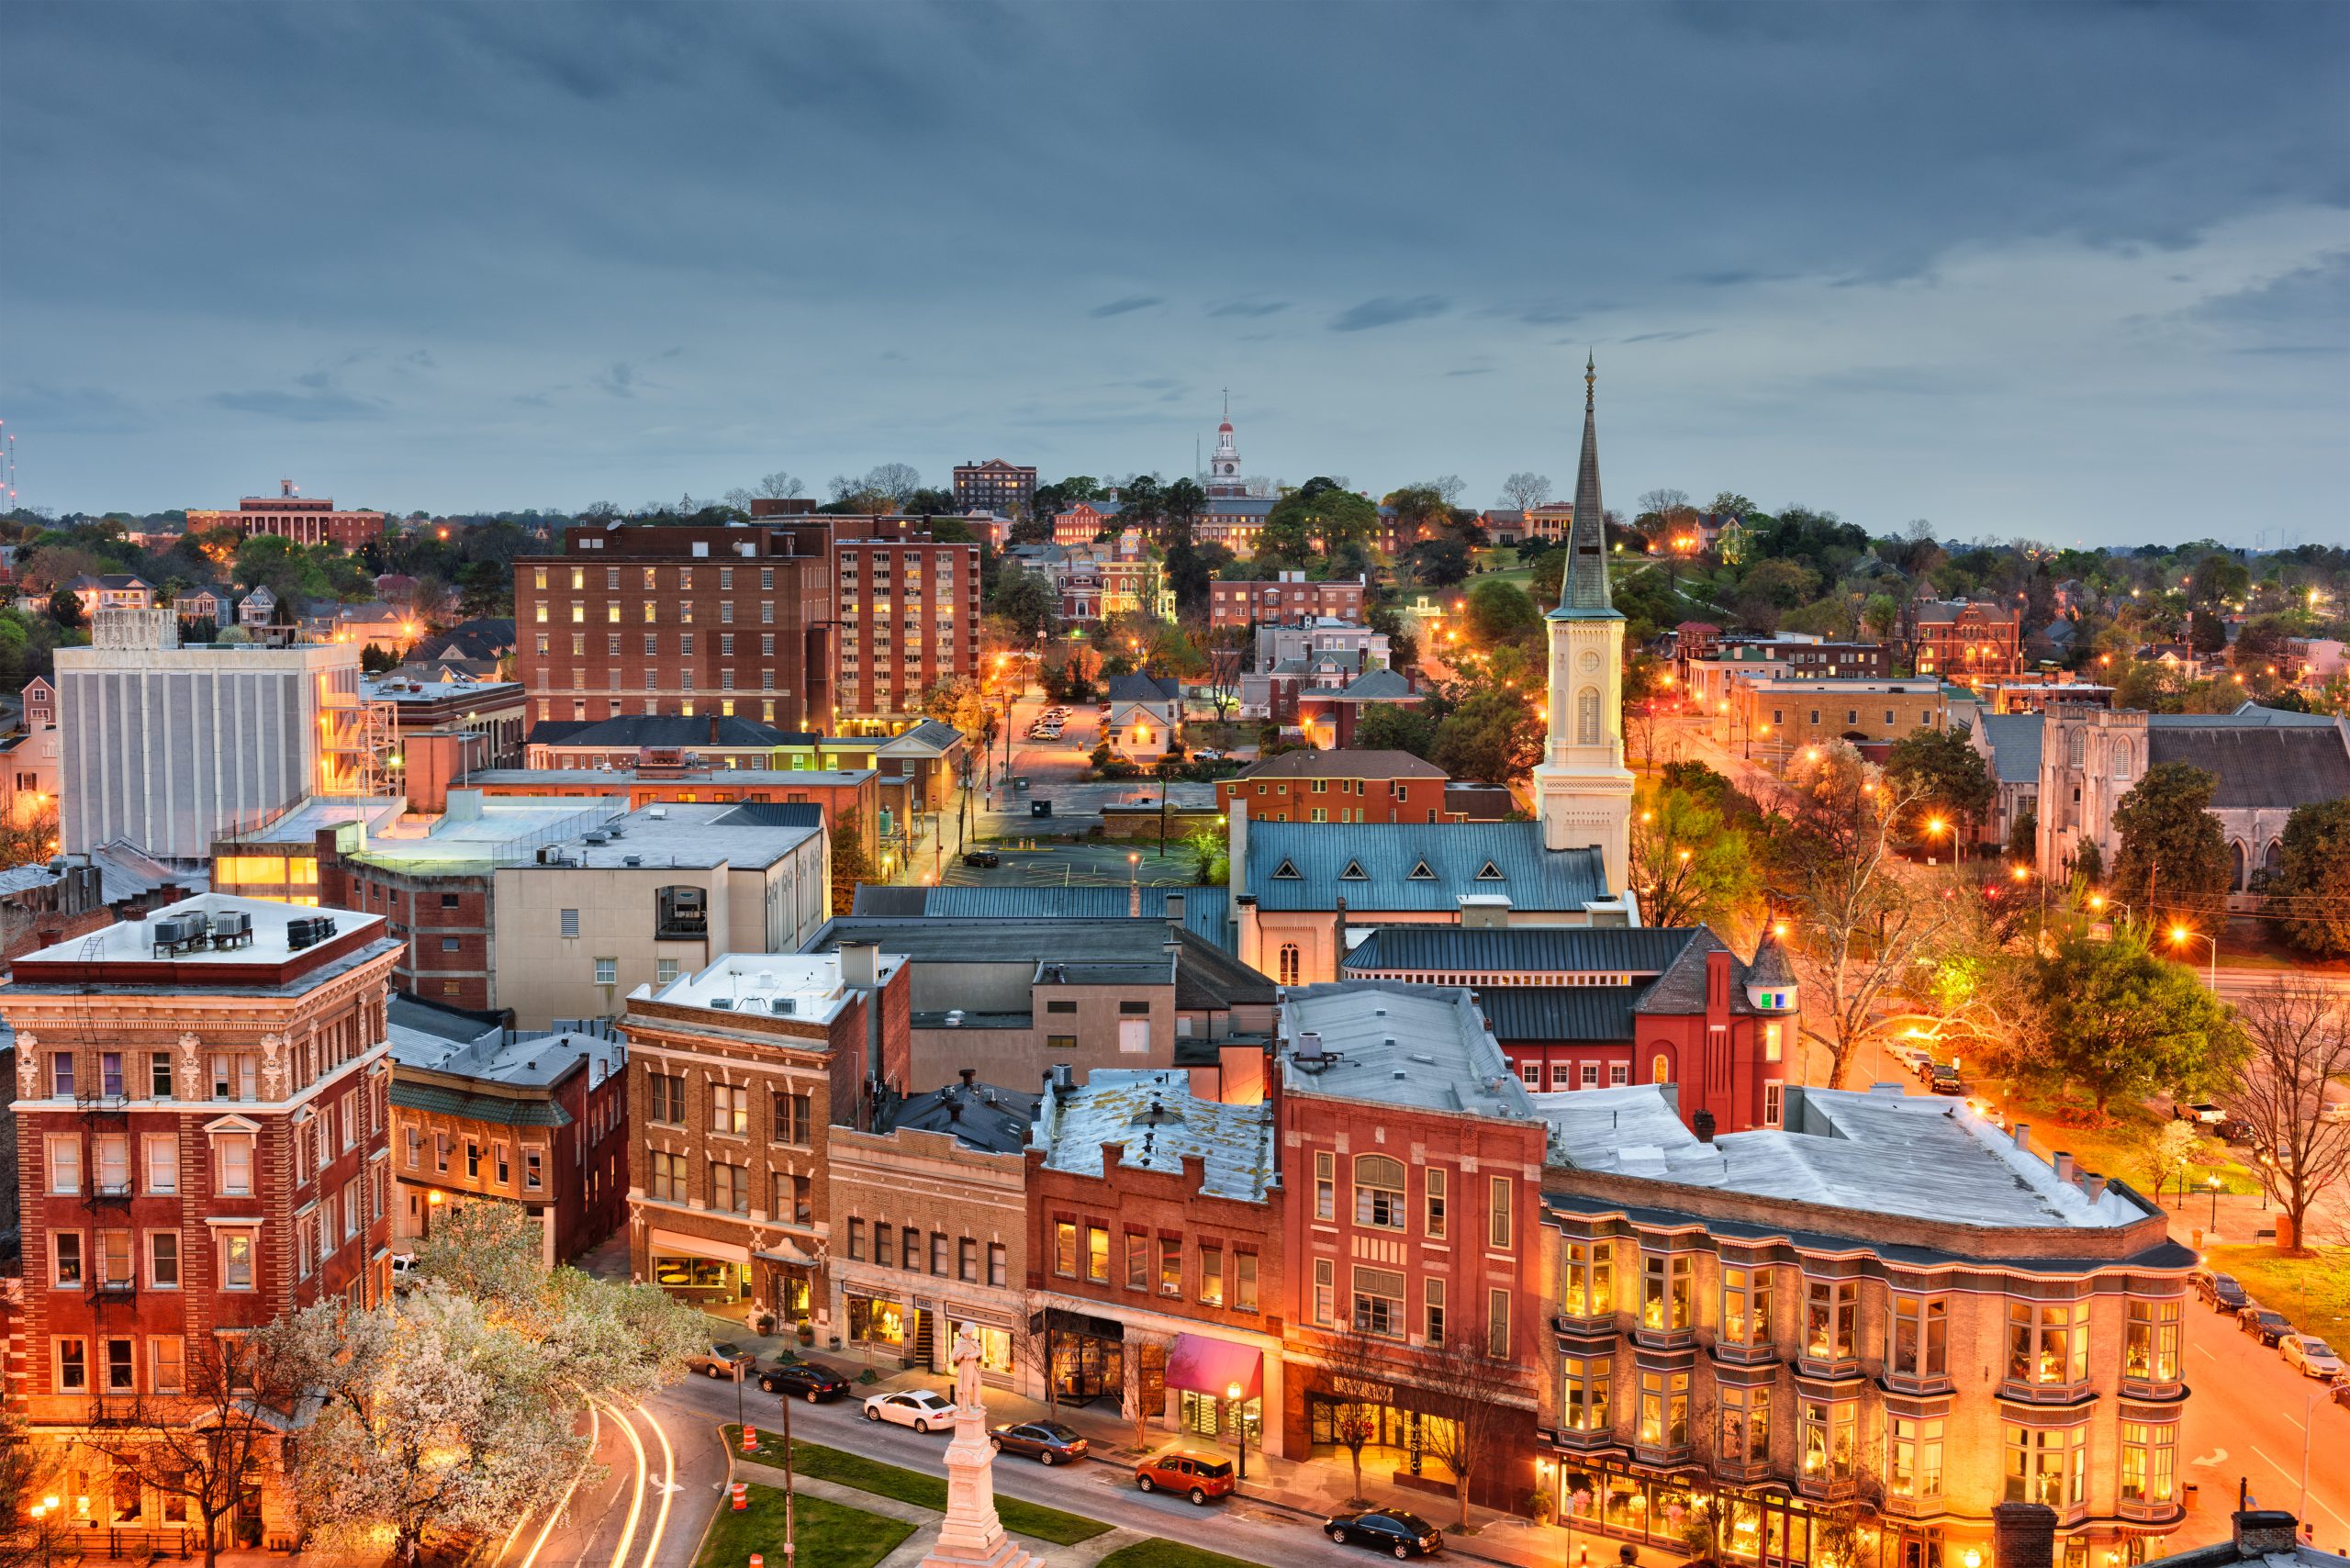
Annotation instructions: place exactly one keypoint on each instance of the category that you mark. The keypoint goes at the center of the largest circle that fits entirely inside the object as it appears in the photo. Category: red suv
(1190, 1472)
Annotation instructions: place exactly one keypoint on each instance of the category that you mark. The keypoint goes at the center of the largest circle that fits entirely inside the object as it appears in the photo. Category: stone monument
(971, 1536)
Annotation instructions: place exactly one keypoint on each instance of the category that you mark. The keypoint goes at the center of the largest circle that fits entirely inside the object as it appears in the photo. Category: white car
(920, 1408)
(2310, 1355)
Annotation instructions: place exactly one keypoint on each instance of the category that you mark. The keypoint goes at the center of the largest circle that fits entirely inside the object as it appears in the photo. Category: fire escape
(110, 1271)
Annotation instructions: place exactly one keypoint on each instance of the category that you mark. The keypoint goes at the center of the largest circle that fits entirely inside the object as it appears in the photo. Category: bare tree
(1034, 1352)
(197, 1445)
(1222, 690)
(1662, 502)
(1474, 1398)
(1449, 486)
(780, 485)
(1526, 490)
(898, 481)
(2301, 1042)
(1350, 1362)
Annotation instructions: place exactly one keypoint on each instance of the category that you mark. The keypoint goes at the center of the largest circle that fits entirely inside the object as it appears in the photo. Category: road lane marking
(669, 1487)
(595, 1432)
(635, 1492)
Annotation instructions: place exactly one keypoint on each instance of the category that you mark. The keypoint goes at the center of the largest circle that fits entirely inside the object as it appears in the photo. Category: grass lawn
(824, 1535)
(1158, 1554)
(912, 1486)
(2117, 1148)
(2315, 1291)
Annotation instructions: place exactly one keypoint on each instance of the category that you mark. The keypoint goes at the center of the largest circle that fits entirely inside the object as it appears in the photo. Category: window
(1379, 1192)
(236, 1155)
(1325, 1185)
(1745, 1424)
(1244, 1282)
(237, 1260)
(856, 1240)
(1138, 1260)
(791, 1119)
(1171, 1265)
(1913, 1457)
(472, 1161)
(2150, 1346)
(2048, 1344)
(568, 921)
(938, 1253)
(1665, 1290)
(1746, 1306)
(729, 1109)
(73, 1366)
(1589, 1289)
(1775, 1104)
(967, 1260)
(1065, 1249)
(1831, 1309)
(997, 1263)
(2149, 1462)
(669, 1181)
(2045, 1465)
(120, 1377)
(1288, 964)
(535, 1177)
(608, 972)
(1582, 1393)
(1379, 1301)
(1325, 1289)
(1433, 1182)
(61, 1074)
(114, 1258)
(730, 1187)
(1827, 1428)
(164, 1258)
(165, 1371)
(1497, 1324)
(666, 1099)
(65, 1258)
(64, 1163)
(1664, 1409)
(1920, 1332)
(159, 1074)
(110, 1074)
(1211, 1273)
(441, 1153)
(1499, 1231)
(665, 970)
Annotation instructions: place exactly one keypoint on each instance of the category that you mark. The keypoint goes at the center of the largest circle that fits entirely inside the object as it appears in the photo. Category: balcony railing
(2149, 1511)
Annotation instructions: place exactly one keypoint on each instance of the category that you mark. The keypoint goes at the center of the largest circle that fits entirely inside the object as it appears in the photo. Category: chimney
(860, 964)
(2093, 1185)
(1175, 906)
(968, 1074)
(2022, 1131)
(1705, 1125)
(2259, 1532)
(2023, 1535)
(954, 1110)
(2063, 1160)
(713, 729)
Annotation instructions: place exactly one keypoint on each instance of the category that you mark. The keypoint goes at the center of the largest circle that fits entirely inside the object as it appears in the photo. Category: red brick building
(1156, 1253)
(1338, 786)
(1288, 598)
(1604, 1007)
(1085, 522)
(995, 485)
(1407, 1233)
(305, 520)
(201, 1144)
(1965, 640)
(909, 617)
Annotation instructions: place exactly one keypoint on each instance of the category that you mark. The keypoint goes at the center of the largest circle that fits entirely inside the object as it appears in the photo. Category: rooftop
(1345, 764)
(1068, 952)
(1155, 1115)
(571, 833)
(992, 1120)
(198, 942)
(620, 778)
(2014, 740)
(795, 985)
(1880, 1152)
(1421, 1046)
(1206, 910)
(496, 1060)
(1409, 865)
(1560, 949)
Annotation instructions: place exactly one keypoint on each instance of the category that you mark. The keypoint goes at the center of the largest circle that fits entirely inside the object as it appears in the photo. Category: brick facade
(1291, 598)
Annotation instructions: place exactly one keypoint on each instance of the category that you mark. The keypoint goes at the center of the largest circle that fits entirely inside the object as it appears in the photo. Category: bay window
(1831, 1309)
(1746, 1306)
(1829, 1426)
(2149, 1463)
(2045, 1465)
(1745, 1424)
(2150, 1346)
(1913, 1457)
(1582, 1393)
(2048, 1343)
(1664, 1409)
(1590, 1275)
(1920, 1349)
(1664, 1290)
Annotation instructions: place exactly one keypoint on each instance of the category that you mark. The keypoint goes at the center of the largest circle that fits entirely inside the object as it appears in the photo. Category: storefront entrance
(1088, 1356)
(1765, 1529)
(1395, 1441)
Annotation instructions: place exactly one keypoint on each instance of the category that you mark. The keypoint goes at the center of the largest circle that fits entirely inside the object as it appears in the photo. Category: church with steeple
(1583, 791)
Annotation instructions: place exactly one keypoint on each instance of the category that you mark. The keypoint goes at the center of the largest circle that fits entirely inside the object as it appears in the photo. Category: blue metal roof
(1461, 949)
(1534, 1014)
(1413, 865)
(1206, 910)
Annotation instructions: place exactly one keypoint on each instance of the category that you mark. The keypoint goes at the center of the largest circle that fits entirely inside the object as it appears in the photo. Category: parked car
(1049, 1442)
(2267, 1327)
(1988, 1112)
(2310, 1356)
(804, 1380)
(984, 857)
(2203, 1111)
(2342, 1393)
(1188, 1471)
(723, 1359)
(2335, 1111)
(2220, 1290)
(920, 1408)
(1386, 1529)
(1944, 1080)
(403, 1270)
(2235, 1130)
(1917, 1058)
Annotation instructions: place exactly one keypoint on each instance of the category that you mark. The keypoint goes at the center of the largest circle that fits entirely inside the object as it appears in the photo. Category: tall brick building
(201, 1115)
(995, 485)
(1288, 598)
(1968, 640)
(305, 520)
(909, 611)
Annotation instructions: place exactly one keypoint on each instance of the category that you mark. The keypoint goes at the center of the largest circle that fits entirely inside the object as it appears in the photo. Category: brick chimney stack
(2023, 1535)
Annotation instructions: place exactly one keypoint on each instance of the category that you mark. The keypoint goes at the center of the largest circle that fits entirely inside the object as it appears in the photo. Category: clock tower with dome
(1583, 791)
(1224, 466)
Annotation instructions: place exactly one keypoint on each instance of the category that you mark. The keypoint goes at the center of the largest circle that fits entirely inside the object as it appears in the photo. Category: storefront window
(875, 1322)
(2149, 1352)
(712, 1277)
(1913, 1458)
(1590, 1281)
(1746, 1306)
(995, 1347)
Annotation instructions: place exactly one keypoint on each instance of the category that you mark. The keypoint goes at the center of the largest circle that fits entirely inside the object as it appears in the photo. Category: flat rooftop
(124, 958)
(1160, 1122)
(600, 833)
(301, 824)
(407, 690)
(1422, 1045)
(1879, 1152)
(806, 986)
(571, 777)
(135, 939)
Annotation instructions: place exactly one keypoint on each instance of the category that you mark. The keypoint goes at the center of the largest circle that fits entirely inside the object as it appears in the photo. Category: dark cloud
(1132, 302)
(1251, 307)
(1384, 311)
(1664, 337)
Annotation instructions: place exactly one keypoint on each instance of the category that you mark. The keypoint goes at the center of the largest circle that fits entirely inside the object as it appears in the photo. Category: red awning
(1213, 1366)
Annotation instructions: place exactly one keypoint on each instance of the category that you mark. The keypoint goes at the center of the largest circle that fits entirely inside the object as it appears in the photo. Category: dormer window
(1420, 873)
(1492, 873)
(1287, 872)
(1354, 873)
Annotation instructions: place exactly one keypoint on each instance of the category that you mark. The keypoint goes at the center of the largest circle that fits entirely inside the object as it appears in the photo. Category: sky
(2066, 273)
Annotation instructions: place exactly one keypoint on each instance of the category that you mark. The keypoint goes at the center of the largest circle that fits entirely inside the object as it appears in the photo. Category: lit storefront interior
(706, 1273)
(1205, 1374)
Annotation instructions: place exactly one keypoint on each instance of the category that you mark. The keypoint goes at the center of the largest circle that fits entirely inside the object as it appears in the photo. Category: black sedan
(1049, 1442)
(981, 857)
(1944, 1080)
(2221, 1291)
(1386, 1529)
(2263, 1325)
(804, 1380)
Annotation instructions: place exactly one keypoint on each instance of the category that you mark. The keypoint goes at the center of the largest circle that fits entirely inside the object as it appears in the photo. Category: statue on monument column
(966, 1357)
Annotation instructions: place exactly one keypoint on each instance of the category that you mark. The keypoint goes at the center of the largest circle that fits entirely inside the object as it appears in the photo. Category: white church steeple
(1224, 468)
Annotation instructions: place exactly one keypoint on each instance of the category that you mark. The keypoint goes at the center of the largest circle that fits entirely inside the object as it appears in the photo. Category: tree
(2114, 1018)
(778, 486)
(2205, 632)
(2174, 855)
(2169, 1150)
(1348, 1359)
(851, 865)
(66, 607)
(1550, 571)
(2310, 889)
(1948, 778)
(898, 481)
(1500, 612)
(1475, 1400)
(1686, 866)
(1493, 737)
(1526, 490)
(2023, 833)
(1180, 505)
(1395, 726)
(2298, 1037)
(1024, 602)
(1440, 563)
(484, 588)
(1309, 526)
(28, 835)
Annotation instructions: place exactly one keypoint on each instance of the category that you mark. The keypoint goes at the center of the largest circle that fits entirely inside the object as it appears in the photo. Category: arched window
(1659, 1068)
(2075, 747)
(1379, 1191)
(1287, 973)
(2235, 867)
(2272, 859)
(1588, 716)
(2120, 761)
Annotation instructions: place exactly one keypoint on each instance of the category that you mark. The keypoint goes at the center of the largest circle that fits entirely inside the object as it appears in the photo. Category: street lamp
(2180, 935)
(2214, 1183)
(1240, 1425)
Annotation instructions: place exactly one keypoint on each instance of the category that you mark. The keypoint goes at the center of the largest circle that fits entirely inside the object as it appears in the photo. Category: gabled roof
(1549, 1013)
(930, 735)
(1534, 878)
(657, 730)
(1563, 950)
(1379, 686)
(1345, 763)
(2014, 739)
(1206, 910)
(1145, 689)
(2260, 765)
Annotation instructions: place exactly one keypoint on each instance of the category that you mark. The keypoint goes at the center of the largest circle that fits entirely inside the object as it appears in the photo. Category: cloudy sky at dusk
(2071, 272)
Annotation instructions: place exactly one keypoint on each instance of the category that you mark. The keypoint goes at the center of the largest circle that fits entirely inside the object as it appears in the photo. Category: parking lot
(1099, 863)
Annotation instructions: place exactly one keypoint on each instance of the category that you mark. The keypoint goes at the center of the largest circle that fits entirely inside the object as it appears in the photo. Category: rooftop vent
(599, 838)
(632, 859)
(723, 1003)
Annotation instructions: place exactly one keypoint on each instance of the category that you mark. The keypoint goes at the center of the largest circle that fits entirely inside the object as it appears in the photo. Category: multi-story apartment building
(1404, 1232)
(1085, 522)
(200, 1115)
(931, 1233)
(1890, 1303)
(908, 619)
(305, 520)
(171, 748)
(738, 1073)
(681, 618)
(1287, 598)
(1772, 720)
(1338, 786)
(994, 486)
(1156, 1252)
(480, 1113)
(1966, 640)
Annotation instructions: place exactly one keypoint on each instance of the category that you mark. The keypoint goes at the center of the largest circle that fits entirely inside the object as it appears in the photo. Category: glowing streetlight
(2179, 937)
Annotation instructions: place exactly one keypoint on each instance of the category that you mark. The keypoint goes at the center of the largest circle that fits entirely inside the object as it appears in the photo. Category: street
(2254, 1417)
